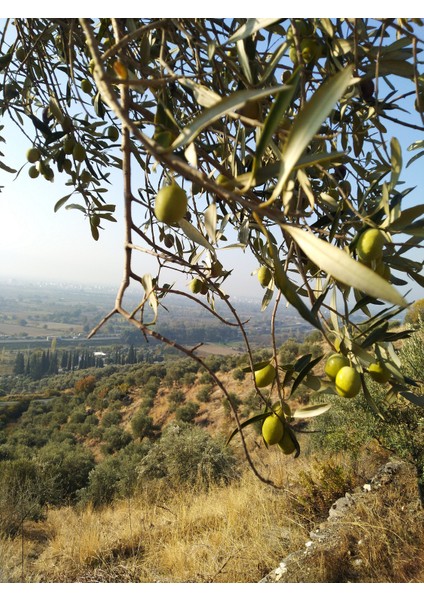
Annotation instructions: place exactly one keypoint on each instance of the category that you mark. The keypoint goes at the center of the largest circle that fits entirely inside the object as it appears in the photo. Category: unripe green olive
(171, 204)
(33, 155)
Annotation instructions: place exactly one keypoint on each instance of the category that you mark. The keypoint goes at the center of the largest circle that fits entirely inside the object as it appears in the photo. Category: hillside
(121, 473)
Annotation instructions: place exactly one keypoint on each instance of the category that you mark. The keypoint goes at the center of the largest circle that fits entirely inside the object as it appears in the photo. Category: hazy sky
(38, 244)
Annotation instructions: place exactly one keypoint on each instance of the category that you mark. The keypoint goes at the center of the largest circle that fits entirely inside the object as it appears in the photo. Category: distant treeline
(38, 364)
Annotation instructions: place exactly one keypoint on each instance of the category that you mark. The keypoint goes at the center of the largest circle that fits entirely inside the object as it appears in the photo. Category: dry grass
(384, 537)
(237, 533)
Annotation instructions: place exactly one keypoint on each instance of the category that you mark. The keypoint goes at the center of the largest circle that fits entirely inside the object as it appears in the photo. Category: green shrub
(288, 351)
(401, 430)
(110, 418)
(114, 477)
(23, 494)
(204, 393)
(187, 412)
(68, 466)
(142, 424)
(205, 377)
(114, 439)
(321, 486)
(188, 454)
(176, 397)
(233, 401)
(239, 374)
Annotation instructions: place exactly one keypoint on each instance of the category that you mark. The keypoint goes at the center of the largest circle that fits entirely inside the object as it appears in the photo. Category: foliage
(114, 477)
(68, 467)
(204, 393)
(395, 422)
(239, 374)
(85, 385)
(276, 131)
(187, 454)
(115, 438)
(142, 424)
(415, 312)
(23, 494)
(320, 486)
(187, 412)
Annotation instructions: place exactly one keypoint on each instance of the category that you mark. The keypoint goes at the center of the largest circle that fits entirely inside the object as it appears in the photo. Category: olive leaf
(396, 162)
(343, 268)
(308, 121)
(61, 202)
(150, 295)
(304, 372)
(273, 119)
(418, 400)
(250, 421)
(221, 107)
(210, 221)
(306, 412)
(288, 289)
(250, 27)
(194, 235)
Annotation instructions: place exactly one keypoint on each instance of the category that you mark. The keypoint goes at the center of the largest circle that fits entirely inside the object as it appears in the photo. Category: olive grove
(266, 134)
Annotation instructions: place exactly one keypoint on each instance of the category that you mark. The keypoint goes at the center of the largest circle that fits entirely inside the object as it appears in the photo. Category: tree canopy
(266, 134)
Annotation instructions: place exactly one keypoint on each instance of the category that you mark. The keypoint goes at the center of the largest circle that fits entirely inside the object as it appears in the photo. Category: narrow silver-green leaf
(288, 289)
(308, 122)
(256, 366)
(273, 119)
(406, 217)
(204, 96)
(263, 174)
(223, 106)
(369, 398)
(191, 154)
(416, 145)
(6, 168)
(402, 68)
(272, 65)
(76, 207)
(311, 411)
(267, 298)
(210, 221)
(333, 311)
(251, 27)
(211, 50)
(303, 373)
(416, 229)
(147, 283)
(244, 61)
(306, 186)
(61, 202)
(396, 161)
(342, 267)
(414, 158)
(195, 236)
(55, 109)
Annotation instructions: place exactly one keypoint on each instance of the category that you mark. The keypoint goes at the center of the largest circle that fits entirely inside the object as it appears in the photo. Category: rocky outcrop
(296, 566)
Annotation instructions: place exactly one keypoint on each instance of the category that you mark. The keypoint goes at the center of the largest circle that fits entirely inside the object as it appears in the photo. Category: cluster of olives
(311, 48)
(276, 431)
(41, 168)
(346, 378)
